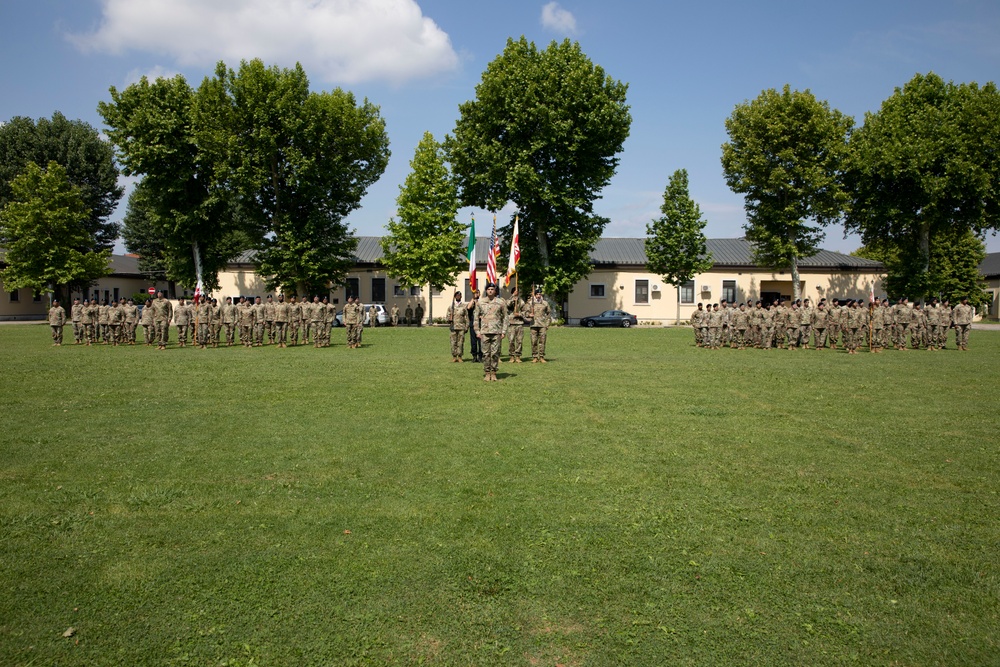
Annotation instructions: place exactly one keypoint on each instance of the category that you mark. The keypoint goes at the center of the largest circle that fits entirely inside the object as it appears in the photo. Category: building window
(642, 291)
(378, 290)
(687, 292)
(414, 291)
(398, 291)
(729, 291)
(596, 290)
(116, 294)
(36, 297)
(353, 287)
(15, 296)
(436, 292)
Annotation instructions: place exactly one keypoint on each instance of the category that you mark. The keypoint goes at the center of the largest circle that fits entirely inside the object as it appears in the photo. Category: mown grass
(636, 501)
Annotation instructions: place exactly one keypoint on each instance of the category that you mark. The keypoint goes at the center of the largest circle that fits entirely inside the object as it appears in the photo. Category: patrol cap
(493, 285)
(538, 290)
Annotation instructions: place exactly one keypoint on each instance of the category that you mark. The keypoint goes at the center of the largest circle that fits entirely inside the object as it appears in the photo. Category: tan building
(125, 280)
(619, 280)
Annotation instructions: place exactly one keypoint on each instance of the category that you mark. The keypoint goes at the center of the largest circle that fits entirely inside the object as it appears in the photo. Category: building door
(378, 290)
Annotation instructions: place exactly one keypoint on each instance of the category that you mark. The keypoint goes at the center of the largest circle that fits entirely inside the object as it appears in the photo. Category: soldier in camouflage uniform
(294, 321)
(418, 314)
(131, 321)
(352, 321)
(962, 316)
(57, 320)
(946, 318)
(394, 315)
(540, 316)
(457, 317)
(408, 314)
(203, 322)
(182, 320)
(819, 324)
(104, 328)
(244, 320)
(163, 312)
(116, 319)
(715, 318)
(740, 324)
(918, 328)
(805, 323)
(257, 309)
(491, 325)
(515, 326)
(76, 315)
(902, 320)
(878, 327)
(767, 327)
(697, 317)
(282, 314)
(229, 318)
(148, 325)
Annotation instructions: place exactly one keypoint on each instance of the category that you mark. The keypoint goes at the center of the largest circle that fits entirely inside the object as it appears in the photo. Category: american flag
(491, 259)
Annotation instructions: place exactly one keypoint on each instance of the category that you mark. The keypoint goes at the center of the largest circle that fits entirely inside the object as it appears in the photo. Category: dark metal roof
(630, 252)
(121, 265)
(990, 266)
(725, 253)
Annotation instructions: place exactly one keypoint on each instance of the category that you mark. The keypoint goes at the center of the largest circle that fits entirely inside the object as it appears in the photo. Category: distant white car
(380, 314)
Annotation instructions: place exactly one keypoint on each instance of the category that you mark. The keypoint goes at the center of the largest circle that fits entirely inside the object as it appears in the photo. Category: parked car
(380, 314)
(610, 318)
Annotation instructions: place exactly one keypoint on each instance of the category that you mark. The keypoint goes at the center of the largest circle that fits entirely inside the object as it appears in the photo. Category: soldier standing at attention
(352, 321)
(372, 316)
(204, 319)
(418, 313)
(57, 320)
(282, 313)
(475, 348)
(307, 310)
(228, 317)
(962, 316)
(541, 316)
(116, 319)
(819, 318)
(946, 318)
(408, 314)
(805, 323)
(458, 324)
(244, 320)
(294, 320)
(329, 317)
(182, 320)
(76, 313)
(163, 311)
(148, 326)
(394, 315)
(258, 322)
(739, 322)
(515, 326)
(269, 319)
(696, 319)
(103, 311)
(131, 321)
(317, 315)
(902, 319)
(491, 325)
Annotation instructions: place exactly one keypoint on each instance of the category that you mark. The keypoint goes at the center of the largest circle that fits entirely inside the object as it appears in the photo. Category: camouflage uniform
(740, 323)
(148, 325)
(408, 315)
(204, 322)
(515, 326)
(878, 327)
(697, 317)
(945, 319)
(962, 316)
(819, 324)
(294, 321)
(394, 316)
(458, 323)
(244, 320)
(282, 314)
(182, 319)
(257, 310)
(116, 319)
(269, 319)
(229, 318)
(767, 328)
(57, 320)
(805, 323)
(353, 314)
(491, 325)
(76, 313)
(715, 318)
(329, 317)
(918, 328)
(163, 311)
(131, 322)
(901, 319)
(418, 314)
(541, 316)
(103, 311)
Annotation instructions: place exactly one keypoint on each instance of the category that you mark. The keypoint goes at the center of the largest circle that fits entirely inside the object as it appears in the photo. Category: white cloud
(151, 74)
(557, 19)
(337, 41)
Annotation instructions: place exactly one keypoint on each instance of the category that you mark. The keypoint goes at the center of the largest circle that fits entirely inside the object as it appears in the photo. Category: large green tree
(676, 248)
(951, 271)
(169, 134)
(44, 224)
(298, 162)
(544, 132)
(926, 167)
(424, 246)
(87, 159)
(785, 155)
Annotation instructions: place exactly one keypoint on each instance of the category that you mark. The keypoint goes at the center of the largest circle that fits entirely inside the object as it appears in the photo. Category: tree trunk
(543, 245)
(430, 303)
(678, 322)
(796, 283)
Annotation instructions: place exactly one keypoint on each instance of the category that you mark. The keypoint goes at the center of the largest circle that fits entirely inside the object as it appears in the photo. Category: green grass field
(637, 501)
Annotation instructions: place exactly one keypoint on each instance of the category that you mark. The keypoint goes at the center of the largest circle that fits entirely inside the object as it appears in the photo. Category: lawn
(637, 501)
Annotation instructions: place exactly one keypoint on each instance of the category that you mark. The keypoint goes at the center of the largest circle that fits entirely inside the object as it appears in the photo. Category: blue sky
(687, 65)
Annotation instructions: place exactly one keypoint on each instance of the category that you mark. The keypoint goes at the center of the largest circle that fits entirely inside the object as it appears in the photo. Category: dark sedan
(610, 318)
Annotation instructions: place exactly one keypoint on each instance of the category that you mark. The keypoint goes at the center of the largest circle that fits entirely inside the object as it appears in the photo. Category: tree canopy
(44, 224)
(676, 248)
(785, 154)
(925, 168)
(87, 159)
(424, 246)
(251, 157)
(544, 132)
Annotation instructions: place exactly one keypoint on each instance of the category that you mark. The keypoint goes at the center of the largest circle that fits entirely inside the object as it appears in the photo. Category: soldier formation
(280, 322)
(849, 323)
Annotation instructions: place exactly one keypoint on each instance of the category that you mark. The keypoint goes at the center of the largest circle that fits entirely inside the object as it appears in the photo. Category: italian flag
(471, 253)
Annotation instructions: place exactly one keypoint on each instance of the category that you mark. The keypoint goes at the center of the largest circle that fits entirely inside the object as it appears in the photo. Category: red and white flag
(871, 292)
(491, 258)
(515, 253)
